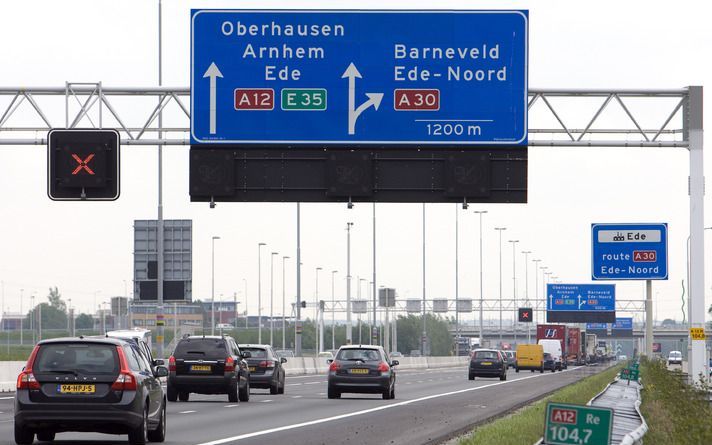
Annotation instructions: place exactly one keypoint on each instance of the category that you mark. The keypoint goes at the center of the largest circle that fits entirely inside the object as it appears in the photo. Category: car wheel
(137, 436)
(274, 388)
(244, 393)
(171, 393)
(183, 396)
(503, 376)
(23, 436)
(393, 392)
(332, 393)
(232, 392)
(516, 369)
(281, 387)
(387, 394)
(553, 369)
(45, 436)
(159, 434)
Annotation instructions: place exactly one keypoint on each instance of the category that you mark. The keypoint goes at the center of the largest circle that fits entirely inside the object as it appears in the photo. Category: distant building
(11, 321)
(144, 315)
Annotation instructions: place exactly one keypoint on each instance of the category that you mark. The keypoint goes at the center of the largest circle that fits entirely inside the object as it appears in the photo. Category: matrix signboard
(359, 77)
(629, 251)
(578, 303)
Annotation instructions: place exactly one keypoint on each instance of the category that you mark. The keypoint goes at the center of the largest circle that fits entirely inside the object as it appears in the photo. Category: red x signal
(525, 314)
(83, 164)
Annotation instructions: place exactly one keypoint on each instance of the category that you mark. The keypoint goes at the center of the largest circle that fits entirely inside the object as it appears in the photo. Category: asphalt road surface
(430, 406)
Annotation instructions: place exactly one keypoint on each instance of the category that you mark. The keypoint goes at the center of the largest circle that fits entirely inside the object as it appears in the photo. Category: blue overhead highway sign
(597, 326)
(629, 251)
(581, 302)
(623, 323)
(359, 77)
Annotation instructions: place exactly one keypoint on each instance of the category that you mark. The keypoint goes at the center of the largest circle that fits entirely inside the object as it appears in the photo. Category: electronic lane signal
(83, 165)
(525, 315)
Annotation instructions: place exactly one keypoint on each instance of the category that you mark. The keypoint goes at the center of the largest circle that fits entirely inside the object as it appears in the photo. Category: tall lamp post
(536, 290)
(514, 285)
(259, 292)
(333, 307)
(212, 287)
(284, 305)
(500, 229)
(244, 282)
(480, 213)
(424, 337)
(319, 336)
(349, 336)
(271, 298)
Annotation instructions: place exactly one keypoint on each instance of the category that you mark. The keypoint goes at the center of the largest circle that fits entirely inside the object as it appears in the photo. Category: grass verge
(526, 426)
(674, 411)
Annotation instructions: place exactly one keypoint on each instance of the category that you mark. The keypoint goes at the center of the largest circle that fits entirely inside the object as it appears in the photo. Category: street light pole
(457, 281)
(349, 336)
(424, 337)
(22, 320)
(244, 282)
(212, 289)
(271, 298)
(514, 284)
(536, 290)
(480, 213)
(284, 305)
(333, 302)
(259, 292)
(500, 229)
(317, 309)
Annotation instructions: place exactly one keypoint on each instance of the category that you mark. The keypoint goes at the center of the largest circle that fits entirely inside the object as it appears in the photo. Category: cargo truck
(591, 343)
(555, 332)
(574, 350)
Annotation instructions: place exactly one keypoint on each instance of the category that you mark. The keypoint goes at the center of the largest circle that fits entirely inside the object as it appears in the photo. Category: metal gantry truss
(557, 117)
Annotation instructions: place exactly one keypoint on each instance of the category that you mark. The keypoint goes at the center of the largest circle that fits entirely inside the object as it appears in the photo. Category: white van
(553, 347)
(142, 338)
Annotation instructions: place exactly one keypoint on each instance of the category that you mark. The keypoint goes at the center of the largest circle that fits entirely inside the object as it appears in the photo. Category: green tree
(410, 329)
(84, 321)
(55, 300)
(52, 317)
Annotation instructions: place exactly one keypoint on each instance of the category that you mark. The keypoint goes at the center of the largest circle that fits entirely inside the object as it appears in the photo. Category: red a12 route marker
(254, 99)
(416, 100)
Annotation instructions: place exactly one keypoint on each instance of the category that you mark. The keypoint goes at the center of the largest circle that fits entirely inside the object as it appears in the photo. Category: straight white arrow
(213, 73)
(374, 99)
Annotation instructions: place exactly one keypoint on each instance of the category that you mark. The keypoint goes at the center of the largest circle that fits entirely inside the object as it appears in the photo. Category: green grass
(674, 411)
(16, 352)
(526, 425)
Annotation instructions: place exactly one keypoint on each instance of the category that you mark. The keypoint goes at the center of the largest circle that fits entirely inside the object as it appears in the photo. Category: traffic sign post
(577, 425)
(359, 77)
(629, 252)
(578, 303)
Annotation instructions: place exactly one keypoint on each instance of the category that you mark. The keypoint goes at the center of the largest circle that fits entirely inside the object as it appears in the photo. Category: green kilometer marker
(304, 99)
(577, 425)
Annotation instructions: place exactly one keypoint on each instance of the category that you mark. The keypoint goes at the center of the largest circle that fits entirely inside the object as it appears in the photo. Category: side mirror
(161, 371)
(329, 361)
(283, 360)
(394, 363)
(159, 362)
(246, 354)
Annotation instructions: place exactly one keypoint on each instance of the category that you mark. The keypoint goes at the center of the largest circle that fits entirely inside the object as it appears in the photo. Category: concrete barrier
(8, 375)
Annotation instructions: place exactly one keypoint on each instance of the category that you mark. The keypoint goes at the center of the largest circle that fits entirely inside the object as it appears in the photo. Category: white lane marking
(296, 397)
(314, 383)
(371, 410)
(319, 394)
(294, 384)
(186, 412)
(265, 401)
(7, 398)
(230, 406)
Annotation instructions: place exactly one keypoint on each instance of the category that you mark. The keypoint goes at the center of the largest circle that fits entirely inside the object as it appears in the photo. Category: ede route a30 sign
(629, 251)
(359, 77)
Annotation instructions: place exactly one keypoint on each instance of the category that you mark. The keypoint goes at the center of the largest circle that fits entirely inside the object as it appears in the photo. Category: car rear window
(486, 355)
(201, 348)
(80, 357)
(359, 354)
(255, 352)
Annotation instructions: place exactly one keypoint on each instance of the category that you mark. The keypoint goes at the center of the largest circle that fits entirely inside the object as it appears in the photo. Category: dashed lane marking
(265, 401)
(371, 410)
(230, 406)
(186, 412)
(296, 397)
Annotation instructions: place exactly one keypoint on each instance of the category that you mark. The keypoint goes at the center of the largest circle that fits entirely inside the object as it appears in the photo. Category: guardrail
(294, 366)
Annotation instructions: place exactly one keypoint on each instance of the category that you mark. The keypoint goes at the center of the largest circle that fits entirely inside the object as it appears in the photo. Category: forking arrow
(373, 98)
(213, 73)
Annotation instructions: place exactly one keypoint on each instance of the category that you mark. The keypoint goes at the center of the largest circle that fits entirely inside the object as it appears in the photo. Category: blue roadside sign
(578, 303)
(623, 323)
(596, 326)
(629, 252)
(363, 77)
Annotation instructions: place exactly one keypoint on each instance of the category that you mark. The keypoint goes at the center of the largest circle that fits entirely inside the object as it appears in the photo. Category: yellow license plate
(359, 371)
(486, 363)
(76, 389)
(200, 368)
(253, 369)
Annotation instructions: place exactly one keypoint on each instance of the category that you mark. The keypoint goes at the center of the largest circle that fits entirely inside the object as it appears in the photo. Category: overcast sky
(86, 248)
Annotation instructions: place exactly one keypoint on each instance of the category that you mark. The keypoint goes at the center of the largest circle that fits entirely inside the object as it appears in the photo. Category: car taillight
(266, 364)
(26, 380)
(172, 363)
(125, 381)
(334, 366)
(229, 364)
(383, 367)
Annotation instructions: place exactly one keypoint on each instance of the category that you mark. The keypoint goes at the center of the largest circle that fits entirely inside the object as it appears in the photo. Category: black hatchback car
(487, 363)
(361, 369)
(208, 365)
(100, 385)
(266, 370)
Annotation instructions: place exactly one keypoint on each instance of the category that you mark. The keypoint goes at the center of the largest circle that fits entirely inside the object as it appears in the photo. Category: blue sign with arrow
(629, 252)
(623, 323)
(359, 77)
(577, 303)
